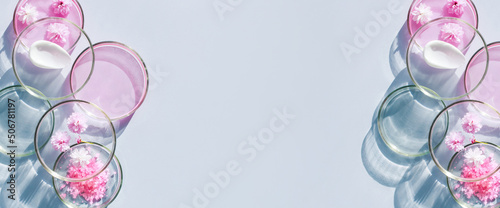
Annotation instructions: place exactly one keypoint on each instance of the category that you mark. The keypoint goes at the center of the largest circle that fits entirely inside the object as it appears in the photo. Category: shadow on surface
(397, 54)
(33, 185)
(417, 181)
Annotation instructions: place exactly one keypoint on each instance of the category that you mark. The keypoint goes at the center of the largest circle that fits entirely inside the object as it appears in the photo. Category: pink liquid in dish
(118, 82)
(44, 8)
(438, 10)
(488, 90)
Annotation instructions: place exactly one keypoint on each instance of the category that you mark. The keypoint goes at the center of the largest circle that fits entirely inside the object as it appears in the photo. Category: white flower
(422, 14)
(474, 156)
(27, 14)
(80, 156)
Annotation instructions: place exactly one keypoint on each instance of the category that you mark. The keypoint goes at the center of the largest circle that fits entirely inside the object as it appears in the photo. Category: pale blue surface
(216, 83)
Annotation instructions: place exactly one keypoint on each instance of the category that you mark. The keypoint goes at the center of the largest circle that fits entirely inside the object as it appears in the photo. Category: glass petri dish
(483, 193)
(21, 112)
(404, 118)
(97, 192)
(118, 97)
(39, 9)
(75, 122)
(487, 88)
(439, 8)
(65, 37)
(444, 83)
(468, 124)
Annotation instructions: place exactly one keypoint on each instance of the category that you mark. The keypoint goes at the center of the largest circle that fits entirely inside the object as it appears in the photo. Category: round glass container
(64, 37)
(404, 118)
(75, 122)
(483, 193)
(97, 192)
(118, 97)
(28, 11)
(470, 122)
(21, 112)
(459, 37)
(487, 90)
(422, 11)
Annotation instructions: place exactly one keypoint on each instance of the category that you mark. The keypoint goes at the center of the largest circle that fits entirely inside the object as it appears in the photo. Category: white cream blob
(442, 55)
(48, 55)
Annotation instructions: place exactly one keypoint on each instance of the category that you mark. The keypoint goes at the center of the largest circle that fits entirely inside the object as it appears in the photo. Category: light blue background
(216, 81)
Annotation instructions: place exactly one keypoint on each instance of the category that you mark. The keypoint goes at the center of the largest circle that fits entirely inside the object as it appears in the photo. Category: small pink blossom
(60, 141)
(77, 123)
(473, 139)
(452, 33)
(28, 14)
(474, 156)
(471, 123)
(61, 7)
(455, 141)
(422, 14)
(57, 33)
(456, 7)
(486, 190)
(91, 190)
(80, 157)
(79, 139)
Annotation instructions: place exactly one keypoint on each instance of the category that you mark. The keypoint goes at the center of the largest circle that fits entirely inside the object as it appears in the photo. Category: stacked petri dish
(75, 90)
(450, 111)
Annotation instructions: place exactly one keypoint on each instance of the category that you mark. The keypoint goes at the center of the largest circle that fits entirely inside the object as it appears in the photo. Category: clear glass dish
(483, 193)
(52, 83)
(404, 118)
(21, 112)
(75, 122)
(470, 122)
(444, 83)
(97, 192)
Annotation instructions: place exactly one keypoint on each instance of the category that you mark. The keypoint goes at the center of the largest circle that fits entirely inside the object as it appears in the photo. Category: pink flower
(486, 190)
(60, 141)
(80, 156)
(421, 14)
(57, 33)
(474, 156)
(91, 190)
(452, 33)
(471, 123)
(27, 14)
(77, 123)
(473, 139)
(61, 7)
(456, 7)
(455, 141)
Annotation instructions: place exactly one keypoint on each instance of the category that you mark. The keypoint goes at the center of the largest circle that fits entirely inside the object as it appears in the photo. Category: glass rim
(28, 88)
(478, 52)
(474, 9)
(431, 149)
(144, 69)
(423, 88)
(381, 110)
(57, 175)
(116, 193)
(448, 179)
(80, 9)
(9, 89)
